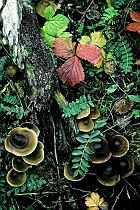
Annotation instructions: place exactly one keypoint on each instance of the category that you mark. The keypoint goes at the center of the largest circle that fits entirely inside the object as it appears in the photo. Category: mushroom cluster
(23, 143)
(85, 118)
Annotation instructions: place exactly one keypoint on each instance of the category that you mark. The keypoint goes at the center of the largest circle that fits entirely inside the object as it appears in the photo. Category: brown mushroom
(118, 145)
(21, 141)
(101, 151)
(107, 175)
(85, 124)
(15, 178)
(19, 164)
(69, 174)
(94, 113)
(41, 6)
(31, 126)
(36, 156)
(84, 113)
(11, 69)
(125, 166)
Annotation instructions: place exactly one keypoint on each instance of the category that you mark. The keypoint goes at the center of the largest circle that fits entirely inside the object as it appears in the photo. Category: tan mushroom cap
(11, 69)
(94, 113)
(83, 113)
(118, 145)
(126, 166)
(101, 151)
(85, 124)
(36, 156)
(15, 178)
(107, 175)
(68, 173)
(19, 164)
(21, 141)
(41, 6)
(31, 126)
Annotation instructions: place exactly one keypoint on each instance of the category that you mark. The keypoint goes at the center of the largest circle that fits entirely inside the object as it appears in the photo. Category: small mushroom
(69, 174)
(31, 126)
(41, 6)
(36, 156)
(15, 178)
(11, 69)
(107, 175)
(21, 141)
(94, 113)
(125, 166)
(85, 124)
(84, 113)
(118, 145)
(19, 164)
(101, 151)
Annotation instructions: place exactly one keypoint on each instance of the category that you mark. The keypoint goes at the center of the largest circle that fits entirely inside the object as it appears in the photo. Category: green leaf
(99, 123)
(95, 133)
(134, 98)
(49, 12)
(77, 152)
(76, 159)
(81, 147)
(81, 140)
(85, 163)
(81, 173)
(86, 156)
(112, 88)
(84, 168)
(75, 174)
(59, 21)
(94, 140)
(76, 165)
(50, 29)
(88, 150)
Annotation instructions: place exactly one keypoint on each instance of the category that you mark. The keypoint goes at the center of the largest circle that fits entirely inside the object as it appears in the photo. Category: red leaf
(89, 52)
(71, 72)
(135, 27)
(135, 16)
(63, 48)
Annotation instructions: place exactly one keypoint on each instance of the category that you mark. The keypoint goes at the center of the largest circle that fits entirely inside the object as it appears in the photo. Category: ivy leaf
(64, 48)
(89, 52)
(71, 72)
(135, 26)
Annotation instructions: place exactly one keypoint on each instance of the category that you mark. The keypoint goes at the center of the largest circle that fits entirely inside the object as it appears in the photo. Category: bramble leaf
(49, 12)
(89, 52)
(98, 39)
(135, 26)
(63, 48)
(71, 72)
(135, 16)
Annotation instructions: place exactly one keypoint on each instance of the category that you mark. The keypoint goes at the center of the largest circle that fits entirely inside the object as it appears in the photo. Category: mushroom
(19, 164)
(85, 124)
(11, 69)
(31, 126)
(101, 151)
(69, 174)
(36, 156)
(125, 166)
(41, 6)
(118, 145)
(94, 113)
(84, 113)
(21, 141)
(107, 175)
(15, 178)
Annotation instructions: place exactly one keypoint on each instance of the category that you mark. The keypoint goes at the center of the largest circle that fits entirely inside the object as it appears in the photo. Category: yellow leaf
(93, 200)
(108, 3)
(137, 62)
(98, 39)
(85, 39)
(98, 65)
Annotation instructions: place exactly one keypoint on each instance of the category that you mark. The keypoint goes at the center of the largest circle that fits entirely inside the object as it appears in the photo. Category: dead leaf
(94, 201)
(89, 52)
(71, 72)
(123, 106)
(135, 26)
(137, 62)
(109, 66)
(64, 47)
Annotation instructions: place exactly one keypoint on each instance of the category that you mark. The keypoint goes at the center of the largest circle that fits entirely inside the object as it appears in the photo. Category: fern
(76, 107)
(3, 61)
(2, 189)
(10, 99)
(121, 49)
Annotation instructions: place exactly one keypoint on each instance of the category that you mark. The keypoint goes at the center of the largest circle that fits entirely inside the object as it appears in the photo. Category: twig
(117, 197)
(85, 12)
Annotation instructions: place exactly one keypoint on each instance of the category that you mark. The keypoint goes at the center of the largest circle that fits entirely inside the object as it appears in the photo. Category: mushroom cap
(101, 151)
(15, 178)
(68, 173)
(19, 164)
(36, 156)
(125, 166)
(83, 113)
(21, 141)
(11, 69)
(31, 126)
(107, 175)
(94, 113)
(85, 124)
(118, 145)
(41, 6)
